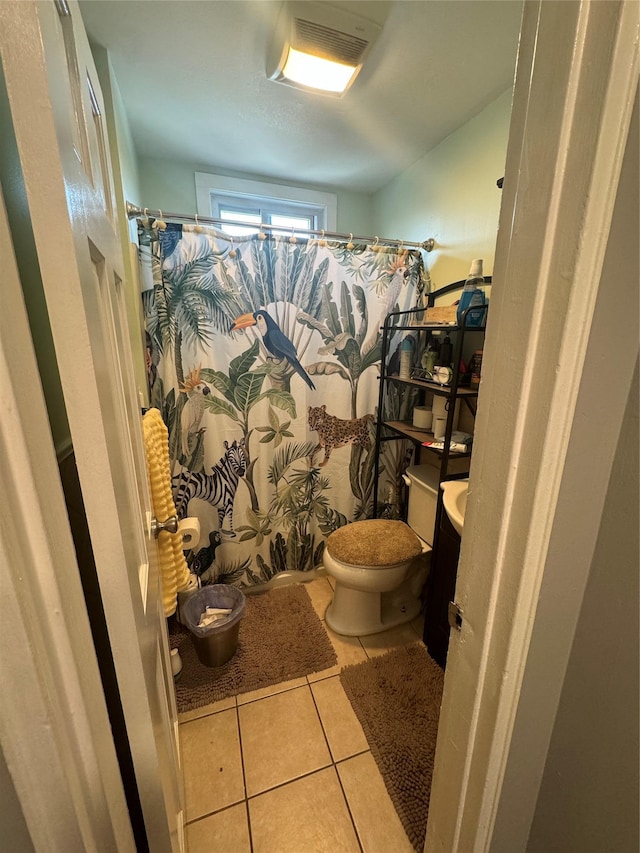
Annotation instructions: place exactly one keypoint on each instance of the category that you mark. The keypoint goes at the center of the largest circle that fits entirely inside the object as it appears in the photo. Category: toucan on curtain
(263, 356)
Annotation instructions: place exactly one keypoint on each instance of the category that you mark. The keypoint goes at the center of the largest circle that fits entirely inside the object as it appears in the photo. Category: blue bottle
(472, 296)
(406, 358)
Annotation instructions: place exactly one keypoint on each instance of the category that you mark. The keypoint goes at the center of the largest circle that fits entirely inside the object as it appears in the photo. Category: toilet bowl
(379, 567)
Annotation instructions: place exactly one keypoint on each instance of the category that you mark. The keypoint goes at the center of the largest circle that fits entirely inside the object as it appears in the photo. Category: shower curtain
(263, 356)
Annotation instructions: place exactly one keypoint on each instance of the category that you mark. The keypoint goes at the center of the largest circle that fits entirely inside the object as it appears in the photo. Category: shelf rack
(411, 320)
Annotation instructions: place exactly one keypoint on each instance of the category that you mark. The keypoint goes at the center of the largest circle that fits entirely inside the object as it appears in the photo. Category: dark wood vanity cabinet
(440, 590)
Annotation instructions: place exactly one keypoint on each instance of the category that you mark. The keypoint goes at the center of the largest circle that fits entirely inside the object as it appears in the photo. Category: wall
(15, 835)
(589, 795)
(170, 185)
(451, 194)
(128, 159)
(590, 789)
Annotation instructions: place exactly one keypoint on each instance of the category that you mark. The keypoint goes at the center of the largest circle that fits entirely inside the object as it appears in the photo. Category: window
(265, 210)
(250, 203)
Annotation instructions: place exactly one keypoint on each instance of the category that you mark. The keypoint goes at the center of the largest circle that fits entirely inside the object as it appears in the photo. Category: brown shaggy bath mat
(397, 699)
(281, 637)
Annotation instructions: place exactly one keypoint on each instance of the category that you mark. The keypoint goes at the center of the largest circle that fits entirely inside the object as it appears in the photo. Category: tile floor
(287, 769)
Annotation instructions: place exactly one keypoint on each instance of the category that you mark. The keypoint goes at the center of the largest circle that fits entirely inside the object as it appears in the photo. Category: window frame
(214, 190)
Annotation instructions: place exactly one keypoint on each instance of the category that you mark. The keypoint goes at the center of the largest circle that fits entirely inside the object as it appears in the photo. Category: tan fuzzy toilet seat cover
(375, 543)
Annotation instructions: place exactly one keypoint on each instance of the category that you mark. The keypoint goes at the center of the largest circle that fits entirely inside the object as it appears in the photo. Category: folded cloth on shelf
(461, 437)
(174, 572)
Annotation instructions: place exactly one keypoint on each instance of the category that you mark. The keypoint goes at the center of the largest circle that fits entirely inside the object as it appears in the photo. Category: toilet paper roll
(439, 427)
(189, 529)
(441, 408)
(422, 417)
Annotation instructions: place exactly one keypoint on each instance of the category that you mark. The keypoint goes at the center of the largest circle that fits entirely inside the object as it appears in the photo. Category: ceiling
(191, 74)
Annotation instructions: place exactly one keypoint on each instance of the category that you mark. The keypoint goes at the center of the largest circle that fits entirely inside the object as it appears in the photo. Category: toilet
(380, 566)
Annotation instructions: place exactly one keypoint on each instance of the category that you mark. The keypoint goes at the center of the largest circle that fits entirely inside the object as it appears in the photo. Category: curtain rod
(133, 211)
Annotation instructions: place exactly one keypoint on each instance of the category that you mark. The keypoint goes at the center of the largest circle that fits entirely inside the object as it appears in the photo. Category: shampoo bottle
(406, 358)
(472, 296)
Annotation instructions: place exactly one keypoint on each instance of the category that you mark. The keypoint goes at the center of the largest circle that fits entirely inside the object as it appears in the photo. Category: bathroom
(165, 185)
(447, 177)
(444, 166)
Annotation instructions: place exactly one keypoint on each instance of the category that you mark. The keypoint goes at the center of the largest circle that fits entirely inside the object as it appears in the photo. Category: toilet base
(355, 613)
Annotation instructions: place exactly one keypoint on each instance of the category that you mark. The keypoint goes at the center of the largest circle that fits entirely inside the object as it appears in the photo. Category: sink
(454, 498)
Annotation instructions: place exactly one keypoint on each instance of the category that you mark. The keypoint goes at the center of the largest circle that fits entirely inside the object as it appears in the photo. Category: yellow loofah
(174, 572)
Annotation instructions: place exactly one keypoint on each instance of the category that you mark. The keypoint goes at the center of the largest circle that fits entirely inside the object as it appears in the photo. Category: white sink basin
(454, 498)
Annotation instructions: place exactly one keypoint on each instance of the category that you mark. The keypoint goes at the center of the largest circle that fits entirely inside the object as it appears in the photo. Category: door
(62, 789)
(57, 111)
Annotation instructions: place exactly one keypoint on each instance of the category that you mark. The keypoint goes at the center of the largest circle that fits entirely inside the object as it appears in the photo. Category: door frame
(562, 315)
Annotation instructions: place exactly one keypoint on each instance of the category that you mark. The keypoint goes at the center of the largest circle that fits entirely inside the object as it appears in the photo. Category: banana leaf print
(241, 390)
(217, 381)
(337, 327)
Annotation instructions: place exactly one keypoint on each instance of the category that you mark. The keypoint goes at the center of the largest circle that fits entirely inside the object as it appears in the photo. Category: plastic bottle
(406, 358)
(446, 353)
(430, 357)
(476, 367)
(388, 505)
(176, 663)
(472, 296)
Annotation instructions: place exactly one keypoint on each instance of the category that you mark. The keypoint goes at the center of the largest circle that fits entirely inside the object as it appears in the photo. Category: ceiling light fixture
(319, 47)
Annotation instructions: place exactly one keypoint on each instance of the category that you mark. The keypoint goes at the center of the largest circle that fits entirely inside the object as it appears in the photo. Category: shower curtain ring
(322, 241)
(160, 223)
(375, 246)
(293, 239)
(232, 253)
(197, 228)
(350, 245)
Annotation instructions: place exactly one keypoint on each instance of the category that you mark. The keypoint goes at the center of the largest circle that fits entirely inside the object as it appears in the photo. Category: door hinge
(455, 616)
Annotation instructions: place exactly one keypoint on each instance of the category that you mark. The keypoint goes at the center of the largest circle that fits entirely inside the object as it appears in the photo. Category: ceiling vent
(319, 47)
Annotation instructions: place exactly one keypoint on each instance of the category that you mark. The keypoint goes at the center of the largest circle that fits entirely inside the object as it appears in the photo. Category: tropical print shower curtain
(263, 356)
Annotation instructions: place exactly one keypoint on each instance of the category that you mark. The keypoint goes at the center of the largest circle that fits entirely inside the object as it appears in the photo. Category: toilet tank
(423, 481)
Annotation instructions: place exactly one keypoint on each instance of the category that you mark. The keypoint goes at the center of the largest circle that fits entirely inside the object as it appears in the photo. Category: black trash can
(215, 644)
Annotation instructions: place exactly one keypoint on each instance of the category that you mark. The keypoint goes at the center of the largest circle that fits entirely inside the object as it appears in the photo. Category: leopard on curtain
(263, 356)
